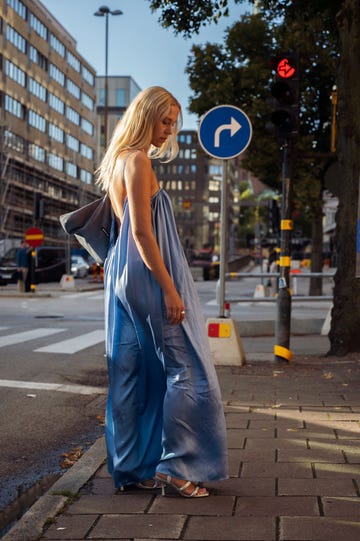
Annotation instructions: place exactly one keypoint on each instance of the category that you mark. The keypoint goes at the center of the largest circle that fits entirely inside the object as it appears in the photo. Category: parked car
(208, 261)
(79, 267)
(49, 265)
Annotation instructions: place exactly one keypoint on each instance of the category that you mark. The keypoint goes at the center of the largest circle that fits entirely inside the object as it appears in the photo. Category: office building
(47, 122)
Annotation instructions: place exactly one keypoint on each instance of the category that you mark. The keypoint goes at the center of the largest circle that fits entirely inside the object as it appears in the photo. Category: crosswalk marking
(77, 389)
(73, 345)
(25, 336)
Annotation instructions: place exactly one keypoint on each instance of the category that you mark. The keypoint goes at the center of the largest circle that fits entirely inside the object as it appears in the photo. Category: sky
(138, 46)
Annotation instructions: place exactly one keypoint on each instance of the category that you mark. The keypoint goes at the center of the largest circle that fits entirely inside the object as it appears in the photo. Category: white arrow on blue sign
(224, 132)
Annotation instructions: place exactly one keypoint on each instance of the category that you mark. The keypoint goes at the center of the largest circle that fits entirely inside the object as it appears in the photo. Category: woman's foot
(149, 484)
(185, 488)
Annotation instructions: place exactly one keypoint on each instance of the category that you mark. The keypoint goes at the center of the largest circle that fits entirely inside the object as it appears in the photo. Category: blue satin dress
(164, 410)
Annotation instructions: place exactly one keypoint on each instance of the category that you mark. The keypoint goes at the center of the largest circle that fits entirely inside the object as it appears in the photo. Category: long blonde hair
(134, 131)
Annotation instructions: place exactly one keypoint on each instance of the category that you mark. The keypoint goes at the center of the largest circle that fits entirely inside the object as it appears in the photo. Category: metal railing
(230, 276)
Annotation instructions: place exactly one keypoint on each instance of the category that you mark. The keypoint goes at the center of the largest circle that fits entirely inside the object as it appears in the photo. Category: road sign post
(224, 132)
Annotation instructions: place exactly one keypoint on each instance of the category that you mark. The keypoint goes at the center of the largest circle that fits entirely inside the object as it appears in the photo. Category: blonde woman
(164, 423)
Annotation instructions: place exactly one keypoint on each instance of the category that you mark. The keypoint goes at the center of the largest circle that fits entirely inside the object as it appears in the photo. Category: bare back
(117, 189)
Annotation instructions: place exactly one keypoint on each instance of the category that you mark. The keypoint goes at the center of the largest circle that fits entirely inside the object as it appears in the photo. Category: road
(53, 374)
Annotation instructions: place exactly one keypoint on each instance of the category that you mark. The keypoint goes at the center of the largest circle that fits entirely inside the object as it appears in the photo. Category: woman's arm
(138, 179)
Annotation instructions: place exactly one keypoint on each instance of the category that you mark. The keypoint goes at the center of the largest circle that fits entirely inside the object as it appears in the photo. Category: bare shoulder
(138, 160)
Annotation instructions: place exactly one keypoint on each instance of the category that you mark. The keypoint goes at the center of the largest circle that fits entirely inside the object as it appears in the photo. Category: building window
(37, 121)
(14, 107)
(86, 151)
(102, 96)
(38, 27)
(37, 89)
(88, 76)
(57, 74)
(85, 176)
(16, 39)
(14, 141)
(73, 88)
(36, 152)
(19, 7)
(71, 169)
(57, 45)
(56, 162)
(73, 115)
(87, 101)
(72, 143)
(56, 103)
(38, 58)
(120, 97)
(15, 73)
(87, 127)
(55, 132)
(73, 61)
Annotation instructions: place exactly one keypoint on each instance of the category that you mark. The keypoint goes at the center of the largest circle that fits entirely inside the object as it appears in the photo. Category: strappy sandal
(166, 480)
(149, 484)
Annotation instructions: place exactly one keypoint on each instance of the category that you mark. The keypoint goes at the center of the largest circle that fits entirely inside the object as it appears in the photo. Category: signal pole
(283, 320)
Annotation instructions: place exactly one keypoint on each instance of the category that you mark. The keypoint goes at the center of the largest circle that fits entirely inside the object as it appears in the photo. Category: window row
(38, 153)
(55, 73)
(21, 43)
(39, 122)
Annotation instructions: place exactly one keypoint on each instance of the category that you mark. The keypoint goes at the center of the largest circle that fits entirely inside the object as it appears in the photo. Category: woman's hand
(174, 307)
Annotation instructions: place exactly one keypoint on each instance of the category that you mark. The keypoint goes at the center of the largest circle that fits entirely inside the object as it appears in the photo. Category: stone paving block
(103, 472)
(177, 505)
(120, 503)
(277, 423)
(145, 526)
(277, 506)
(260, 433)
(331, 471)
(230, 528)
(334, 456)
(334, 425)
(256, 455)
(318, 529)
(243, 487)
(70, 527)
(343, 434)
(292, 470)
(348, 508)
(277, 443)
(235, 438)
(234, 462)
(316, 487)
(102, 485)
(326, 433)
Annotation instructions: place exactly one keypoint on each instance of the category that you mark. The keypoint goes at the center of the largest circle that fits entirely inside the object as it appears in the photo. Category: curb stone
(30, 526)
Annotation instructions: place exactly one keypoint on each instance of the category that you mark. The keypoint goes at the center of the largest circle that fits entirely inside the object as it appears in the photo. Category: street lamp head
(104, 10)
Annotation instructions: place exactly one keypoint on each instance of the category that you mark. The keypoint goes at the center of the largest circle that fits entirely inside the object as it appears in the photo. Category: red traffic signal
(285, 68)
(285, 91)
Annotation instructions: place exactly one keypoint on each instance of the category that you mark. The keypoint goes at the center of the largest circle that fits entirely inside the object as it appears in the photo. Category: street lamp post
(104, 11)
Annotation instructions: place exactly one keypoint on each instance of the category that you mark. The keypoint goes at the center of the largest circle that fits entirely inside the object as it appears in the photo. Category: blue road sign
(225, 132)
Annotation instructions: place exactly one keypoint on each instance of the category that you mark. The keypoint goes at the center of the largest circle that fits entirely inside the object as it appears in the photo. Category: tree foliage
(320, 30)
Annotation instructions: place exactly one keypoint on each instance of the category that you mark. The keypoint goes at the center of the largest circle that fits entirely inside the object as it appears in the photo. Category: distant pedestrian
(22, 264)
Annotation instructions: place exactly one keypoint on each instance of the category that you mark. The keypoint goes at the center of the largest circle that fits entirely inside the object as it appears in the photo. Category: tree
(341, 21)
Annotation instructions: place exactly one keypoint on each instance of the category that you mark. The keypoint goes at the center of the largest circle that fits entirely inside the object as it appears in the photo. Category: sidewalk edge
(30, 526)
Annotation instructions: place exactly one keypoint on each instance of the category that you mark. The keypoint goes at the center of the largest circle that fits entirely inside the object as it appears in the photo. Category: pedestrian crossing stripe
(40, 386)
(25, 336)
(73, 345)
(68, 346)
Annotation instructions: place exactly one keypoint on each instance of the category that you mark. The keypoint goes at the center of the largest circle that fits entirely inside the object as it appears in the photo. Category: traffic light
(284, 120)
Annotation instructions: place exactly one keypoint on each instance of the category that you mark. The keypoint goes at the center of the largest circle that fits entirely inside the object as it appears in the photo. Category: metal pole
(106, 79)
(223, 247)
(283, 321)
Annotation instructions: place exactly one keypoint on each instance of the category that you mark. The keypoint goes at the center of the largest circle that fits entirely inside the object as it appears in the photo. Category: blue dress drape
(164, 410)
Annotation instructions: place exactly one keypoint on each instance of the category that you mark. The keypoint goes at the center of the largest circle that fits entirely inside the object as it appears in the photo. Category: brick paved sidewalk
(294, 450)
